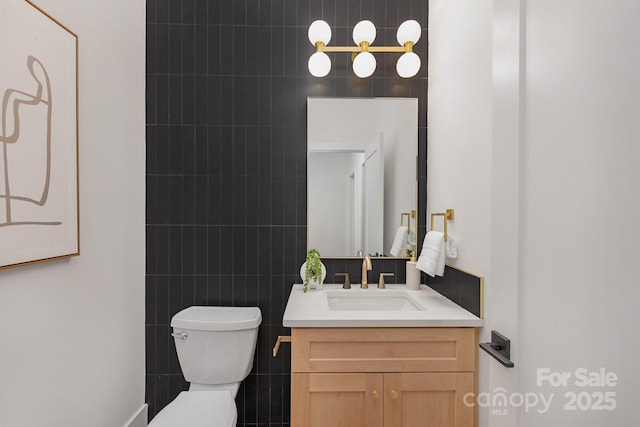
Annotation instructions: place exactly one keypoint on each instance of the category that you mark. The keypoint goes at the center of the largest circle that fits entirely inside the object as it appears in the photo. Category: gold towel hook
(448, 215)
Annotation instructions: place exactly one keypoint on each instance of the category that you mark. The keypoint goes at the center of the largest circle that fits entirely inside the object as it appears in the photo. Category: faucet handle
(347, 283)
(381, 280)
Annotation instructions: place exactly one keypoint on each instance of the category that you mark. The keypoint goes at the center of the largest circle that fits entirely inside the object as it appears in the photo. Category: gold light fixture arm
(448, 215)
(321, 47)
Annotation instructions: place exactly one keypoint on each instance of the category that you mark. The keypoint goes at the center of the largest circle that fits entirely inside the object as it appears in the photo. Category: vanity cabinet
(383, 377)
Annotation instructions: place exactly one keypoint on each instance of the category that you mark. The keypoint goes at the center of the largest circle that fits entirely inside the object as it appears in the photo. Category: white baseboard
(139, 419)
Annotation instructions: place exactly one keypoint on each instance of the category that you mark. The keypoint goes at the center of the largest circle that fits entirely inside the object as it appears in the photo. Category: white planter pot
(312, 283)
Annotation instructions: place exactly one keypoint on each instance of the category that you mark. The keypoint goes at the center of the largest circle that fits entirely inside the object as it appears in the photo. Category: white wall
(562, 195)
(581, 202)
(459, 133)
(459, 168)
(72, 332)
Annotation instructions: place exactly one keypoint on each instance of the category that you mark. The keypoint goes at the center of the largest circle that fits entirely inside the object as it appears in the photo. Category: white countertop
(311, 309)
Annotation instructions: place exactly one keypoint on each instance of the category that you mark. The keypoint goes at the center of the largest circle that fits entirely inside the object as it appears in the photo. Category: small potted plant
(313, 270)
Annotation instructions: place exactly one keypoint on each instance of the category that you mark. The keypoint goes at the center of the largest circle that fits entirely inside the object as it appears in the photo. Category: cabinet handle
(394, 395)
(375, 395)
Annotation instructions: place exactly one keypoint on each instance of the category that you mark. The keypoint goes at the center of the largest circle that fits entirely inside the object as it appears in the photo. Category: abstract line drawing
(39, 137)
(14, 102)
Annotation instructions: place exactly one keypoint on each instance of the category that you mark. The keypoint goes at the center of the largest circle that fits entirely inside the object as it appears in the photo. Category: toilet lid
(198, 409)
(215, 318)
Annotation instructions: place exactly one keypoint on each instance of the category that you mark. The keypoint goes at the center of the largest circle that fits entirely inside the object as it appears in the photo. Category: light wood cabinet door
(428, 399)
(337, 400)
(383, 377)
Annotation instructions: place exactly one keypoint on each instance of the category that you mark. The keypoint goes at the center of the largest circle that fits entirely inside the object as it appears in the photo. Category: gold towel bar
(409, 215)
(281, 339)
(448, 215)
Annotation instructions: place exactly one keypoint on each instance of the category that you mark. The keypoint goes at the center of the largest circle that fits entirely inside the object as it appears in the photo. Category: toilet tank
(215, 345)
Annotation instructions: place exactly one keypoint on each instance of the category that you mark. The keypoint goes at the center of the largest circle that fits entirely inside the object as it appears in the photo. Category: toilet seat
(198, 409)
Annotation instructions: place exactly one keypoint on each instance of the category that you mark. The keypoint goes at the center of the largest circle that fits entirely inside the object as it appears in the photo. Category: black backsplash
(227, 84)
(461, 287)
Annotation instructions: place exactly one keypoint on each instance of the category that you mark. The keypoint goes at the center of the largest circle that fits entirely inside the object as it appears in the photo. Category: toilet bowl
(198, 409)
(215, 347)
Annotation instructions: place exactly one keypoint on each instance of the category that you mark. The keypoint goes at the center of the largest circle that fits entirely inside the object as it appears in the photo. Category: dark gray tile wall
(227, 83)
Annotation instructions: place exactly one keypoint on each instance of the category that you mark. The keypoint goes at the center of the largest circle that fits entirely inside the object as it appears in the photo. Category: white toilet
(215, 347)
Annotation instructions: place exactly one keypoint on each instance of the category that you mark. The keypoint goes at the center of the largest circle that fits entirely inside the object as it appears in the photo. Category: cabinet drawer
(383, 349)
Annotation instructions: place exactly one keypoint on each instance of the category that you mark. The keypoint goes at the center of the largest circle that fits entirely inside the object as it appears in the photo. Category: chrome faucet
(366, 266)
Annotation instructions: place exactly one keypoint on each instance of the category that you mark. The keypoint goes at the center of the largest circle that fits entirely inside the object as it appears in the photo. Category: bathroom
(549, 221)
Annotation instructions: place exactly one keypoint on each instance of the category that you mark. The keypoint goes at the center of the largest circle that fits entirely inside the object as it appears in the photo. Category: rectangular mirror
(361, 175)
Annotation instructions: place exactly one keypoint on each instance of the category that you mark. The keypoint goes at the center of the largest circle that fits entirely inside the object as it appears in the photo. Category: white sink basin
(377, 301)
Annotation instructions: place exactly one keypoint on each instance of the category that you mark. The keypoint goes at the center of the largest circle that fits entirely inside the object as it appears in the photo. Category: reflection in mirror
(361, 175)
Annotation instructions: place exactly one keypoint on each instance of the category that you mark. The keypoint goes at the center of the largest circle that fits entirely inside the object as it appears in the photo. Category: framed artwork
(39, 219)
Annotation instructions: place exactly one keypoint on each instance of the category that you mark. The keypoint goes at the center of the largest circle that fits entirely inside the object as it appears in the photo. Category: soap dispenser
(413, 274)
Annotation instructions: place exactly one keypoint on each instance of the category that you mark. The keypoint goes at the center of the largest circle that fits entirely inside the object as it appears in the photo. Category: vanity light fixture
(364, 34)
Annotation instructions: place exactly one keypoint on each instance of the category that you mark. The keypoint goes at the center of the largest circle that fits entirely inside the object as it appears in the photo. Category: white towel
(400, 242)
(451, 247)
(432, 256)
(411, 240)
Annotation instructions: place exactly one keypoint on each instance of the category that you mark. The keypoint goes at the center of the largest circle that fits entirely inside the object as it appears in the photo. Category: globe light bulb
(409, 31)
(364, 64)
(319, 31)
(364, 31)
(408, 65)
(319, 64)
